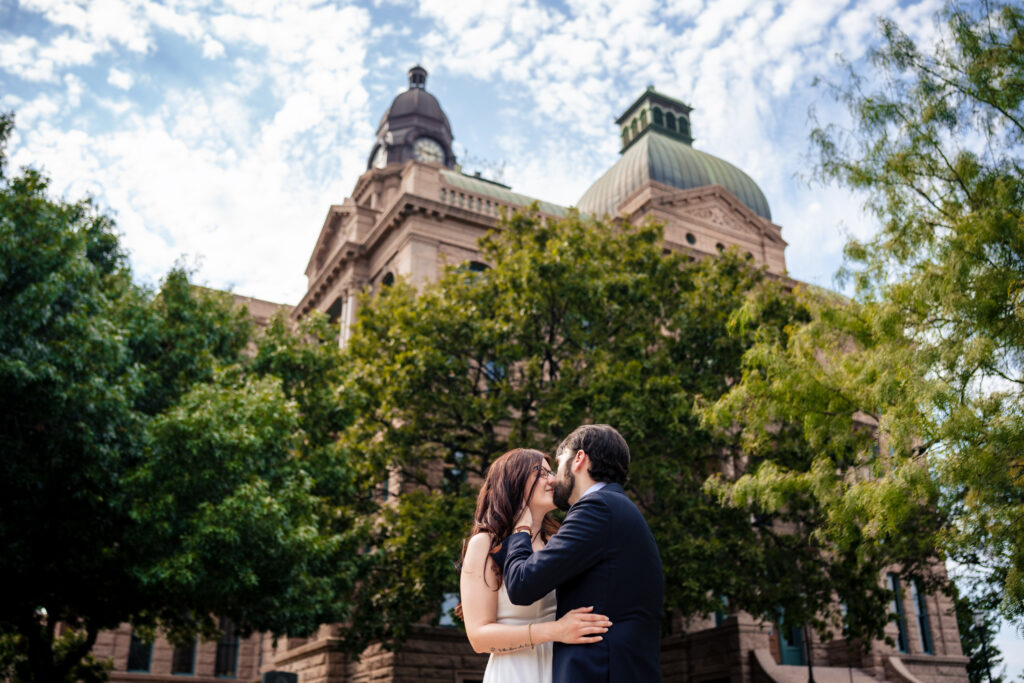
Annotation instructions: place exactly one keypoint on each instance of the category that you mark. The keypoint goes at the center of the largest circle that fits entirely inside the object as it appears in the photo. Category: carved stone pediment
(327, 239)
(717, 208)
(714, 215)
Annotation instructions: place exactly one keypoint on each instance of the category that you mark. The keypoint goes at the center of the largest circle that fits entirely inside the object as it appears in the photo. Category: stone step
(785, 673)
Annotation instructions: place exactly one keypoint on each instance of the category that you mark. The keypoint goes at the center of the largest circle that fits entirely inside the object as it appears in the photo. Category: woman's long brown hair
(503, 498)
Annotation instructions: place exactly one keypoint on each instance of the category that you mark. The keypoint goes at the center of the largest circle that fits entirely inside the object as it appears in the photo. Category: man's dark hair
(607, 450)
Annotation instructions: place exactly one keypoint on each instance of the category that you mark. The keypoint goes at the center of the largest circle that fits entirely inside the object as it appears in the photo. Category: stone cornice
(377, 174)
(347, 251)
(402, 208)
(669, 196)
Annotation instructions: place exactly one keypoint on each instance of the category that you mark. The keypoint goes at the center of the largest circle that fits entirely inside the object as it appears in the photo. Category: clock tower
(413, 127)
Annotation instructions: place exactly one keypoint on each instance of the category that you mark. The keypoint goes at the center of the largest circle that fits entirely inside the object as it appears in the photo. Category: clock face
(428, 149)
(380, 157)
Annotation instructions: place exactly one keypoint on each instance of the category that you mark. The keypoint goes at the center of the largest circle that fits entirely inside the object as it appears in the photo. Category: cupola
(413, 127)
(660, 112)
(657, 146)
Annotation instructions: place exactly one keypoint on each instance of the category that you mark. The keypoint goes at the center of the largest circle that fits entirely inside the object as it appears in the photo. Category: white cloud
(286, 123)
(206, 173)
(212, 49)
(100, 21)
(35, 112)
(187, 24)
(75, 87)
(120, 79)
(20, 57)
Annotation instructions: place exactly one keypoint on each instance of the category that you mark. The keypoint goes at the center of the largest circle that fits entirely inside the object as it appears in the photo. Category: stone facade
(411, 217)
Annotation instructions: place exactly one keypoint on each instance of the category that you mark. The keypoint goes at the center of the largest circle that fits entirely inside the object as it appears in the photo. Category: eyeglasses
(544, 472)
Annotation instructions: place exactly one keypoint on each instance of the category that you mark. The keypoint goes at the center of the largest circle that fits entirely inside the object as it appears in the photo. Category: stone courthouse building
(412, 212)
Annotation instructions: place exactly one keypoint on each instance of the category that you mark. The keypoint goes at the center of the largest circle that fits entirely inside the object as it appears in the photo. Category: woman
(518, 638)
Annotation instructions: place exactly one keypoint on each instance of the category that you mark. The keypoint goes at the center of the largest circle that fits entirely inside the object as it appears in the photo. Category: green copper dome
(663, 158)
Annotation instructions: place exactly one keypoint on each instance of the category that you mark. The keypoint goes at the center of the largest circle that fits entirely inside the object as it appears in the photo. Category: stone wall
(715, 654)
(114, 645)
(926, 668)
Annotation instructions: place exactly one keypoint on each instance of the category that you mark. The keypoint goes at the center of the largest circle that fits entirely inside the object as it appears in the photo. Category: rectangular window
(140, 654)
(921, 612)
(896, 609)
(720, 614)
(227, 651)
(183, 661)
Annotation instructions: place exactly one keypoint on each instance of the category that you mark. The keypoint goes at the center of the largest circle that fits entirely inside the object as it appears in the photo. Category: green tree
(579, 321)
(935, 147)
(910, 395)
(69, 432)
(155, 466)
(978, 622)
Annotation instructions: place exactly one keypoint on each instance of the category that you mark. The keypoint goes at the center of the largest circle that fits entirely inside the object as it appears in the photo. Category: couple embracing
(573, 603)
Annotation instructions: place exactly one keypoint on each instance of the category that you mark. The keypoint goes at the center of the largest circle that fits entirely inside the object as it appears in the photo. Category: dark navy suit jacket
(603, 555)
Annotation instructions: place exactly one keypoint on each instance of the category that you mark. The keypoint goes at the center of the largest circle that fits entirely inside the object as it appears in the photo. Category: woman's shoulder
(478, 548)
(480, 543)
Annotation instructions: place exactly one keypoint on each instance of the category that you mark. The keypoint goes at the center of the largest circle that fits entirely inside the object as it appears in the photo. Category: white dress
(523, 666)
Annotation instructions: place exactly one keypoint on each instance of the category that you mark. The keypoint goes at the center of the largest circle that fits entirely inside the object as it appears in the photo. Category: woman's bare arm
(480, 611)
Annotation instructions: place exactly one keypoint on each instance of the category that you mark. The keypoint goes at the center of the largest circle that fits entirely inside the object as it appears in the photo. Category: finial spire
(417, 77)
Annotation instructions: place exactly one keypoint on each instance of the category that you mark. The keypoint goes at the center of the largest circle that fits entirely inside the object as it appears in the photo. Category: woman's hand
(580, 626)
(525, 518)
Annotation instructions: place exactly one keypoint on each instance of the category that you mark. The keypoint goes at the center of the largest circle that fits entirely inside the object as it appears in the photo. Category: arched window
(659, 120)
(625, 137)
(670, 121)
(387, 280)
(633, 128)
(690, 239)
(684, 126)
(477, 267)
(444, 195)
(643, 119)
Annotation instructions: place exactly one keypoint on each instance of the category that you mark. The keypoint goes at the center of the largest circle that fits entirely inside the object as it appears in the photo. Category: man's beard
(563, 489)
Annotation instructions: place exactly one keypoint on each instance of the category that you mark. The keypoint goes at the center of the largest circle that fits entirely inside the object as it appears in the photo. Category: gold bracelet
(529, 634)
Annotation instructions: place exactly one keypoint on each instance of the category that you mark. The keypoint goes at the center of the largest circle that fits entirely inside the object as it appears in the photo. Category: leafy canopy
(159, 465)
(578, 321)
(910, 395)
(937, 150)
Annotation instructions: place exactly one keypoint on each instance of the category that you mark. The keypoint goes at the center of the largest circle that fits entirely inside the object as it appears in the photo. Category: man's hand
(581, 626)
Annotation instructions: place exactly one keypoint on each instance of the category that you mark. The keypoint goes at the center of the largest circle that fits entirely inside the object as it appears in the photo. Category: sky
(219, 133)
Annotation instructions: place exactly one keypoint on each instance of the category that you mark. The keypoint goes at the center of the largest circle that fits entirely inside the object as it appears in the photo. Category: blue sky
(220, 132)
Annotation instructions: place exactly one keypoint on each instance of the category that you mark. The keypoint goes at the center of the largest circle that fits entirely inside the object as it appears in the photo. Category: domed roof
(415, 101)
(663, 159)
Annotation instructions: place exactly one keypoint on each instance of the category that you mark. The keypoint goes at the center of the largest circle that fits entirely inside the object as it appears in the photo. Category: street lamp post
(979, 623)
(807, 649)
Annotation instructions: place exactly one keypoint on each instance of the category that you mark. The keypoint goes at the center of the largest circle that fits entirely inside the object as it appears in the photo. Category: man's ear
(579, 461)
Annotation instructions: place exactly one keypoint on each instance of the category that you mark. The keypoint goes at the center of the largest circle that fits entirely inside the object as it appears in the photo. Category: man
(603, 556)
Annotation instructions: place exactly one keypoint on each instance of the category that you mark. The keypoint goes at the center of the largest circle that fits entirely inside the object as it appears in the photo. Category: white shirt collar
(593, 489)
